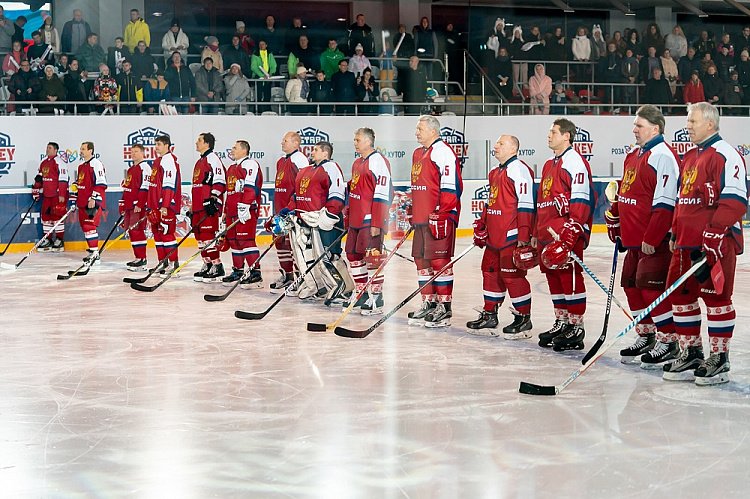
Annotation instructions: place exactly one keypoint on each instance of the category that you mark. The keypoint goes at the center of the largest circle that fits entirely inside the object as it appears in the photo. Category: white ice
(106, 391)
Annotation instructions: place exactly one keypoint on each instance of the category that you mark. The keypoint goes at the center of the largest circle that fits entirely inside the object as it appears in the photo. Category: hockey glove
(38, 180)
(439, 224)
(268, 226)
(121, 206)
(36, 193)
(480, 234)
(570, 233)
(714, 244)
(709, 194)
(243, 212)
(165, 222)
(311, 218)
(91, 212)
(280, 225)
(346, 217)
(327, 220)
(211, 206)
(562, 204)
(284, 212)
(208, 178)
(154, 217)
(613, 226)
(73, 203)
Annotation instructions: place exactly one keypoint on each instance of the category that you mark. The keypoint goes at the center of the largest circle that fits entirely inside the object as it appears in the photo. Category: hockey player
(51, 186)
(244, 183)
(163, 204)
(209, 184)
(642, 218)
(133, 205)
(436, 187)
(712, 199)
(369, 201)
(287, 168)
(565, 203)
(505, 228)
(88, 194)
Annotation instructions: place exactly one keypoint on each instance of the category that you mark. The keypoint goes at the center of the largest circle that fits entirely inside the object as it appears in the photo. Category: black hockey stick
(603, 336)
(532, 389)
(131, 280)
(84, 269)
(349, 333)
(317, 327)
(250, 316)
(408, 259)
(23, 219)
(8, 266)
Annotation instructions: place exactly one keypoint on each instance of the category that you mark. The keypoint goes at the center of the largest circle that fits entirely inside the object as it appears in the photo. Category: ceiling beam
(563, 6)
(625, 10)
(692, 8)
(739, 7)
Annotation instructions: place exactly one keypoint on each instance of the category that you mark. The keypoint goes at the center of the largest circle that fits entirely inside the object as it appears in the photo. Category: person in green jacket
(91, 54)
(263, 66)
(329, 60)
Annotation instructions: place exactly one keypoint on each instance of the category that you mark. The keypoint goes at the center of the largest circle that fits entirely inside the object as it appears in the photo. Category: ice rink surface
(110, 392)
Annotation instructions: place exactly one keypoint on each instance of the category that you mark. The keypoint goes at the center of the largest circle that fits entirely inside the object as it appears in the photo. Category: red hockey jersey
(648, 192)
(91, 183)
(135, 186)
(509, 210)
(55, 178)
(370, 192)
(165, 189)
(713, 161)
(436, 183)
(319, 186)
(287, 168)
(208, 179)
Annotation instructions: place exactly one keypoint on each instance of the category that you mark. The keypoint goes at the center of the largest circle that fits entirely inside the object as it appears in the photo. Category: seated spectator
(329, 60)
(558, 98)
(321, 91)
(670, 70)
(688, 64)
(297, 89)
(74, 82)
(358, 62)
(733, 94)
(129, 89)
(386, 104)
(713, 86)
(52, 90)
(175, 40)
(246, 41)
(704, 45)
(105, 88)
(212, 50)
(62, 64)
(412, 83)
(181, 82)
(156, 89)
(142, 61)
(40, 54)
(91, 54)
(648, 64)
(305, 54)
(540, 88)
(676, 43)
(50, 35)
(208, 85)
(237, 89)
(367, 91)
(693, 91)
(24, 85)
(117, 54)
(12, 61)
(724, 60)
(235, 54)
(504, 73)
(344, 85)
(657, 89)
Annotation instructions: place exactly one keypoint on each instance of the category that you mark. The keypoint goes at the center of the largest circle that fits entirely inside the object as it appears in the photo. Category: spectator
(12, 61)
(291, 38)
(75, 88)
(272, 36)
(117, 54)
(358, 62)
(263, 66)
(51, 90)
(143, 61)
(558, 52)
(533, 49)
(634, 44)
(520, 69)
(304, 53)
(581, 47)
(558, 98)
(676, 43)
(6, 32)
(693, 91)
(18, 29)
(598, 45)
(321, 91)
(630, 75)
(724, 60)
(329, 60)
(386, 65)
(75, 33)
(360, 33)
(504, 73)
(50, 35)
(237, 89)
(91, 55)
(713, 86)
(706, 62)
(657, 89)
(212, 50)
(742, 43)
(156, 89)
(540, 88)
(610, 70)
(246, 41)
(725, 42)
(412, 83)
(402, 43)
(496, 37)
(181, 81)
(653, 38)
(648, 64)
(733, 94)
(136, 31)
(687, 64)
(743, 70)
(297, 89)
(208, 85)
(24, 85)
(454, 44)
(129, 89)
(39, 54)
(344, 85)
(619, 43)
(105, 88)
(368, 90)
(235, 54)
(62, 64)
(386, 106)
(425, 45)
(669, 70)
(704, 45)
(175, 40)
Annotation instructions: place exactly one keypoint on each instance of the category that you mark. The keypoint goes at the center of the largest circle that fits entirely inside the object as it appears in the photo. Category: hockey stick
(316, 327)
(14, 267)
(250, 316)
(603, 336)
(131, 280)
(532, 389)
(140, 287)
(408, 259)
(23, 219)
(349, 333)
(592, 276)
(84, 269)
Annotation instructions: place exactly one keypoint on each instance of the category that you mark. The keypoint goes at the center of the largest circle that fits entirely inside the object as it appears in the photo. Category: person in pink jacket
(540, 88)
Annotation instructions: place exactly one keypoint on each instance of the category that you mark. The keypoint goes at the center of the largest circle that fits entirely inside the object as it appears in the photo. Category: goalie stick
(316, 327)
(84, 269)
(349, 333)
(8, 266)
(603, 336)
(23, 219)
(532, 389)
(250, 316)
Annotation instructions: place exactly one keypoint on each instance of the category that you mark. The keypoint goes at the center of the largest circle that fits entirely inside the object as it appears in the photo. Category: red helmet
(525, 257)
(59, 209)
(222, 244)
(555, 255)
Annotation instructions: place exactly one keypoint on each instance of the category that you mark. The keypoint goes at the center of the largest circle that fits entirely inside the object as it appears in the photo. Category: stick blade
(140, 287)
(134, 280)
(532, 389)
(317, 328)
(215, 297)
(348, 333)
(249, 316)
(64, 277)
(7, 266)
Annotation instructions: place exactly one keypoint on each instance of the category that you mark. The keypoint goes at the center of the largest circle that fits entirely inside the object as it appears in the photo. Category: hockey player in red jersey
(287, 168)
(712, 199)
(565, 203)
(163, 204)
(505, 229)
(244, 184)
(51, 186)
(369, 201)
(641, 217)
(133, 205)
(209, 184)
(436, 187)
(88, 194)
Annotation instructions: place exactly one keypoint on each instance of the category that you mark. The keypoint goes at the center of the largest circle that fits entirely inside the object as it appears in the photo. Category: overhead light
(692, 8)
(157, 14)
(341, 19)
(564, 6)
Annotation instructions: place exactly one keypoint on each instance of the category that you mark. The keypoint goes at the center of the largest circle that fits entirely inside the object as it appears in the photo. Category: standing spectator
(117, 54)
(412, 83)
(91, 55)
(18, 29)
(676, 43)
(657, 89)
(208, 85)
(181, 81)
(24, 85)
(425, 45)
(649, 63)
(533, 49)
(704, 45)
(12, 60)
(62, 64)
(291, 37)
(75, 33)
(743, 70)
(360, 33)
(305, 54)
(706, 61)
(726, 41)
(733, 94)
(368, 91)
(7, 30)
(454, 44)
(50, 35)
(619, 43)
(557, 51)
(175, 40)
(598, 45)
(297, 89)
(212, 50)
(263, 66)
(344, 85)
(402, 43)
(129, 89)
(630, 75)
(610, 69)
(156, 89)
(40, 54)
(496, 37)
(688, 64)
(742, 42)
(634, 44)
(136, 31)
(237, 90)
(321, 91)
(581, 47)
(540, 88)
(504, 73)
(520, 69)
(142, 61)
(329, 60)
(693, 91)
(272, 36)
(235, 54)
(51, 90)
(724, 60)
(670, 70)
(246, 41)
(358, 62)
(105, 88)
(75, 88)
(653, 38)
(386, 65)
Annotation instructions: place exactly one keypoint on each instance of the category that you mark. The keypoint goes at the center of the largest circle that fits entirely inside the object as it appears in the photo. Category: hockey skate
(417, 317)
(714, 370)
(373, 305)
(170, 268)
(520, 328)
(485, 325)
(159, 269)
(357, 306)
(683, 369)
(58, 245)
(642, 345)
(92, 258)
(201, 274)
(440, 316)
(570, 339)
(662, 352)
(545, 338)
(280, 285)
(136, 265)
(215, 273)
(253, 281)
(45, 245)
(235, 276)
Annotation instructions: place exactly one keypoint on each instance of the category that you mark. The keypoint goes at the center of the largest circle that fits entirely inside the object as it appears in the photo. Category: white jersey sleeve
(219, 174)
(145, 175)
(667, 173)
(520, 174)
(381, 170)
(300, 160)
(445, 159)
(62, 168)
(337, 187)
(580, 184)
(169, 165)
(100, 179)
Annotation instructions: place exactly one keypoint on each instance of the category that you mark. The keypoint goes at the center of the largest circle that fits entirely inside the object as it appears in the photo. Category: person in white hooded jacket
(581, 47)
